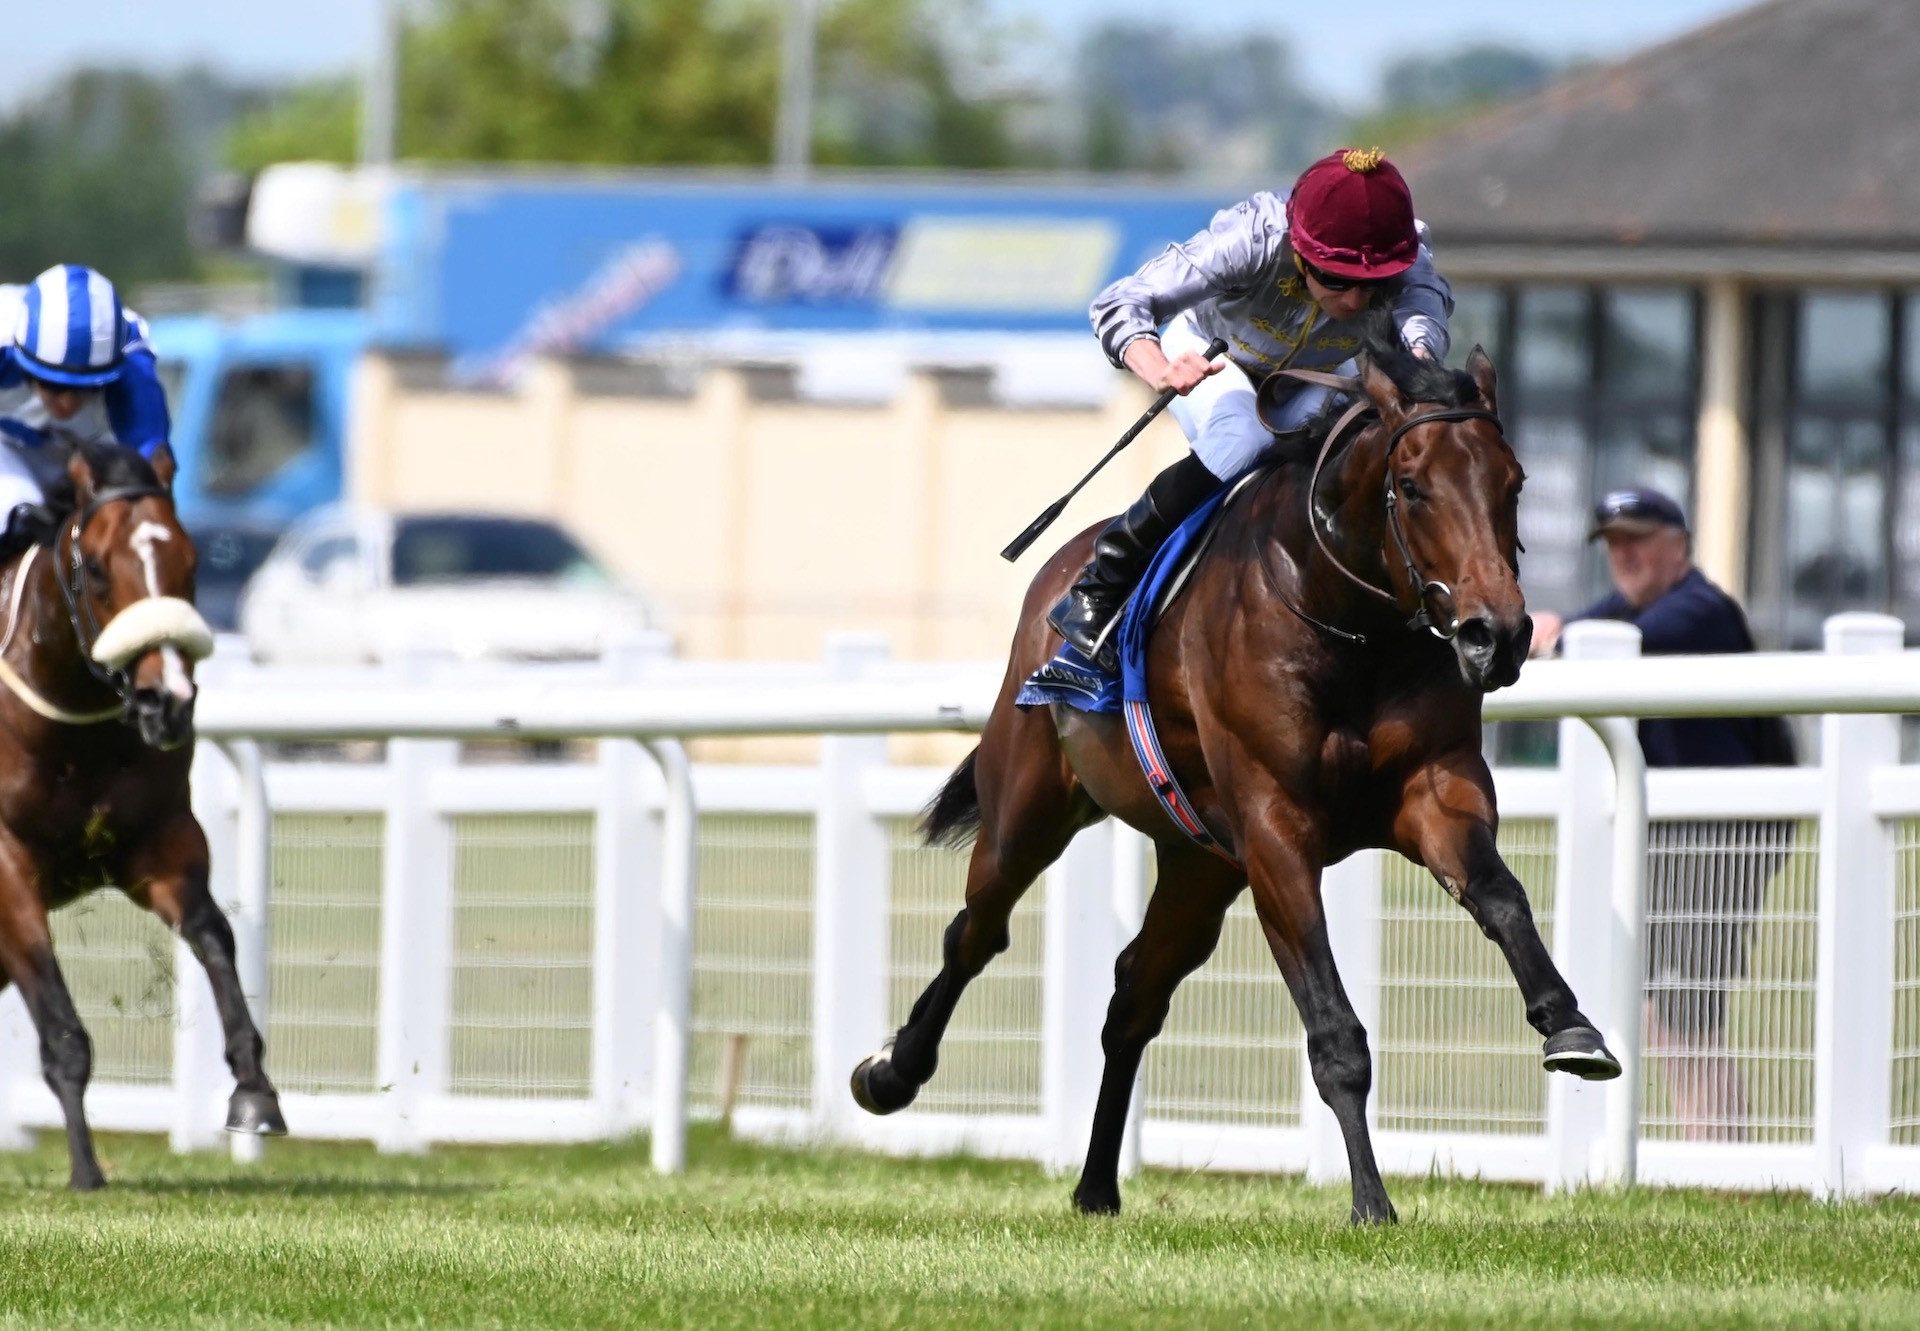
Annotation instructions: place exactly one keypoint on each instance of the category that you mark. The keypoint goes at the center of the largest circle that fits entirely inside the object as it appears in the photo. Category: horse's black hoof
(1581, 1051)
(1381, 1215)
(1097, 1201)
(256, 1113)
(878, 1089)
(86, 1181)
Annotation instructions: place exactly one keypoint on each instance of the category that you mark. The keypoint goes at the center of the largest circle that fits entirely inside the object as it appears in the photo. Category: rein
(1424, 616)
(146, 622)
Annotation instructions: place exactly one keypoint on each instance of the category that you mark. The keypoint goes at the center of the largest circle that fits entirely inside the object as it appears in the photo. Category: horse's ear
(1382, 390)
(80, 472)
(1480, 370)
(164, 467)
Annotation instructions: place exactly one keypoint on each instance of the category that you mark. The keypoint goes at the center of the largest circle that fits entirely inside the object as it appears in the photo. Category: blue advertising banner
(495, 269)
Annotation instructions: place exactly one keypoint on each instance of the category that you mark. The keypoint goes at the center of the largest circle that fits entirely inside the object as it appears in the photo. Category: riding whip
(1018, 546)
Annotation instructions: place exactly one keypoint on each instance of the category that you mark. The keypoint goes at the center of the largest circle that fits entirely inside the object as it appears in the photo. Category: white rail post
(851, 897)
(1853, 984)
(673, 1018)
(1083, 937)
(626, 885)
(198, 1043)
(1352, 898)
(250, 913)
(1584, 922)
(416, 932)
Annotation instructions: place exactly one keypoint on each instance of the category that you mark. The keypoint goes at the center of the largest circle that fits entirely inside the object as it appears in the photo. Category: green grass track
(773, 1240)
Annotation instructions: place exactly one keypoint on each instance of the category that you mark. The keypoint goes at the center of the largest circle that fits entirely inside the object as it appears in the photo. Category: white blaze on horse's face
(174, 676)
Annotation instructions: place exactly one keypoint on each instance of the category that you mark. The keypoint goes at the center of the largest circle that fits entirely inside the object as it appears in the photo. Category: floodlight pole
(379, 89)
(793, 131)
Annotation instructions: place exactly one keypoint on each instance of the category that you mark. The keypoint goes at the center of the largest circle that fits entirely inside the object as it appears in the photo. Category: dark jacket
(1695, 617)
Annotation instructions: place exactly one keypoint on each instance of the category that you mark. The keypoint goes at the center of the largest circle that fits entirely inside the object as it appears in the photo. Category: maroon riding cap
(1351, 214)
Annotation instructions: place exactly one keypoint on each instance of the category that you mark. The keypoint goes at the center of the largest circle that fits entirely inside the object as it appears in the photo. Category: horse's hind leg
(1181, 929)
(1448, 822)
(168, 875)
(1286, 894)
(66, 1051)
(1027, 813)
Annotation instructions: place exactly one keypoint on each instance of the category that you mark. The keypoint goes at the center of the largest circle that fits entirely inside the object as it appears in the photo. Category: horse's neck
(1351, 521)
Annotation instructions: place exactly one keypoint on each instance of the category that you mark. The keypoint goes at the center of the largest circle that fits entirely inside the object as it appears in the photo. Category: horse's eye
(95, 569)
(1410, 491)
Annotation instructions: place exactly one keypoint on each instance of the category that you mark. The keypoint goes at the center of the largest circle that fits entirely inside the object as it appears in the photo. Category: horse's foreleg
(1286, 893)
(66, 1051)
(169, 877)
(1447, 823)
(1180, 931)
(1027, 817)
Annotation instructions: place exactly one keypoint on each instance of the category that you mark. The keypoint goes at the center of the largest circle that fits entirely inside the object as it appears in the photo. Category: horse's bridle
(1426, 615)
(76, 588)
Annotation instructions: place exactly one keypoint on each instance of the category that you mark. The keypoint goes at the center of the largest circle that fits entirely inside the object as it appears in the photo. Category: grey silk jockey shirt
(1238, 282)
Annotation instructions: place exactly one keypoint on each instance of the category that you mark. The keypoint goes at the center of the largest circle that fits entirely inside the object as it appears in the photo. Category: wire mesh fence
(1731, 938)
(324, 952)
(1905, 1106)
(521, 1005)
(1454, 1052)
(753, 963)
(118, 962)
(1232, 1047)
(990, 1059)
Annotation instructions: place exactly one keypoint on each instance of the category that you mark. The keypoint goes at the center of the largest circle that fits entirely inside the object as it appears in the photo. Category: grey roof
(1796, 122)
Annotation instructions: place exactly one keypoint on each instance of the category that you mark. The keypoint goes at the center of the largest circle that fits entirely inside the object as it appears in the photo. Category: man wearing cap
(75, 362)
(1705, 881)
(1285, 282)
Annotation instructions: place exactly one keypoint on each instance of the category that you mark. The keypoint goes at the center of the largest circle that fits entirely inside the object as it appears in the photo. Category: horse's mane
(113, 467)
(1418, 379)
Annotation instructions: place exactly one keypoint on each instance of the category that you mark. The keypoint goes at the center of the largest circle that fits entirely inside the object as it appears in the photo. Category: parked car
(230, 554)
(352, 584)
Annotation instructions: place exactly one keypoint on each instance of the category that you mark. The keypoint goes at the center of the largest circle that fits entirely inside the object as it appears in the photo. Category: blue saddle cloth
(1071, 679)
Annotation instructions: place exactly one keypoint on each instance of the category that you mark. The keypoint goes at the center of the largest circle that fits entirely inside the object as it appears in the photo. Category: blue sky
(292, 38)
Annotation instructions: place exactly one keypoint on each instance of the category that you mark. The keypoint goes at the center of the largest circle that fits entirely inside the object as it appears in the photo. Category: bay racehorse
(1317, 689)
(96, 731)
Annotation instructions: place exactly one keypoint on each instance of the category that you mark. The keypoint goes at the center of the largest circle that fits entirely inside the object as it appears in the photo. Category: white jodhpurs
(17, 482)
(1219, 417)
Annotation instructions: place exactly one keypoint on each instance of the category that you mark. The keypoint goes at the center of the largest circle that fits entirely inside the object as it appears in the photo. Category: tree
(1422, 95)
(1150, 100)
(97, 172)
(668, 82)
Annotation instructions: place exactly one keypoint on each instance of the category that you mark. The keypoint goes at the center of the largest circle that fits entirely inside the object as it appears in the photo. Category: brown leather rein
(1435, 611)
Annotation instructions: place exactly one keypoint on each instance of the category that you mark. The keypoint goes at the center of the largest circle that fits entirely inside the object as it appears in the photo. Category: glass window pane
(1649, 341)
(1906, 526)
(1552, 343)
(1655, 448)
(1844, 343)
(263, 418)
(1836, 538)
(1476, 321)
(1553, 513)
(1910, 378)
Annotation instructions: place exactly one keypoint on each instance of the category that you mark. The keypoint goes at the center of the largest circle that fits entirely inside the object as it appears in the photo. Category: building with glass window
(1700, 269)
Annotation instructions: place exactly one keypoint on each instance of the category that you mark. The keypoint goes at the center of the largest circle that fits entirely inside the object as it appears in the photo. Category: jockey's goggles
(1334, 283)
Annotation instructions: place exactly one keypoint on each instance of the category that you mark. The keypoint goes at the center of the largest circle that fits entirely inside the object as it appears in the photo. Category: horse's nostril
(1476, 635)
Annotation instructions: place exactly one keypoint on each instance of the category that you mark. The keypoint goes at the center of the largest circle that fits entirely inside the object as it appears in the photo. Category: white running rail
(469, 951)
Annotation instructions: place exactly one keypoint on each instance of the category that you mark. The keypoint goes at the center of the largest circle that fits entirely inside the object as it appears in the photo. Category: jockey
(1285, 282)
(75, 361)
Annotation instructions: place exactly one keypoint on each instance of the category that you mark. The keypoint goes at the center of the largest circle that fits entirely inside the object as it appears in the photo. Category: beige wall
(761, 526)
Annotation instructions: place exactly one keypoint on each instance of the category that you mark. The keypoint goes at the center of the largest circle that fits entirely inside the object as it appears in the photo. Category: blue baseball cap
(1635, 511)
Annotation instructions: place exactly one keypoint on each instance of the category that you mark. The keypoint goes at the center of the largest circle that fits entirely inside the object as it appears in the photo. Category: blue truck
(260, 429)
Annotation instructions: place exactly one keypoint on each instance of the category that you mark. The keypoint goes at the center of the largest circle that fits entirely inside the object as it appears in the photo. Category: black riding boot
(1121, 554)
(27, 525)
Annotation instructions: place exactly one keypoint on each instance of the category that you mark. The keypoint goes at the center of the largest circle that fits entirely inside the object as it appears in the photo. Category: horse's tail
(953, 816)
